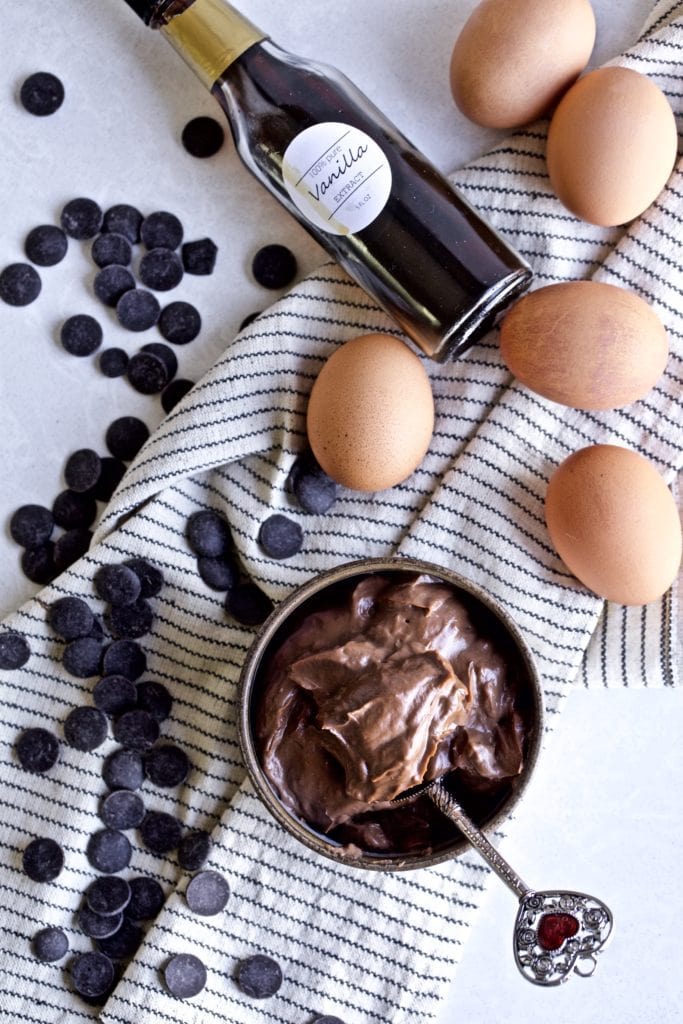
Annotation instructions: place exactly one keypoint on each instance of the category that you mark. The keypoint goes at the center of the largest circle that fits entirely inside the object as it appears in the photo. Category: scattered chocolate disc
(112, 283)
(108, 894)
(124, 769)
(248, 604)
(136, 730)
(46, 245)
(160, 832)
(174, 392)
(114, 694)
(167, 765)
(85, 728)
(37, 750)
(137, 310)
(185, 975)
(151, 578)
(123, 943)
(125, 220)
(109, 248)
(199, 257)
(126, 658)
(202, 137)
(122, 810)
(194, 850)
(70, 546)
(113, 362)
(38, 563)
(31, 525)
(82, 470)
(14, 650)
(165, 354)
(92, 975)
(218, 573)
(249, 319)
(131, 621)
(43, 860)
(111, 476)
(154, 698)
(109, 851)
(146, 899)
(50, 945)
(97, 631)
(161, 270)
(20, 284)
(161, 230)
(274, 266)
(81, 335)
(180, 323)
(207, 893)
(315, 491)
(259, 976)
(70, 617)
(328, 1019)
(208, 534)
(82, 658)
(280, 537)
(81, 218)
(125, 437)
(147, 373)
(98, 926)
(117, 584)
(41, 94)
(74, 511)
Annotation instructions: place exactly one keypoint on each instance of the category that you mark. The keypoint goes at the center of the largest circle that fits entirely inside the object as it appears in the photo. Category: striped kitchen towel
(367, 948)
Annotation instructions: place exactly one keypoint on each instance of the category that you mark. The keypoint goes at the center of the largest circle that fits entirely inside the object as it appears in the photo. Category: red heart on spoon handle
(553, 929)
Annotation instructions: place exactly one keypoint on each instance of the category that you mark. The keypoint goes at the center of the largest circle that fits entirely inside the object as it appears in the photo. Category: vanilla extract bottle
(350, 177)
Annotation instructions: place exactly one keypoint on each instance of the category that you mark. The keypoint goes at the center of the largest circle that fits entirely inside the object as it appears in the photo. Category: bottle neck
(208, 34)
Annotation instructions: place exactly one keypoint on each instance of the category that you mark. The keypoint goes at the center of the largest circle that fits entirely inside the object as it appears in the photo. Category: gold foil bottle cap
(209, 35)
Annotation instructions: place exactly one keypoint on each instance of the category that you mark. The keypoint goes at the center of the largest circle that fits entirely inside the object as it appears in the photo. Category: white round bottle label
(337, 176)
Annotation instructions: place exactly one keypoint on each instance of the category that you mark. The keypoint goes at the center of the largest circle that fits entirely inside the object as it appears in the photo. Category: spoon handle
(449, 806)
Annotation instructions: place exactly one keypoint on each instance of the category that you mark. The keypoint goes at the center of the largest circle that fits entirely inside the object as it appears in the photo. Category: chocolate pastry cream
(387, 689)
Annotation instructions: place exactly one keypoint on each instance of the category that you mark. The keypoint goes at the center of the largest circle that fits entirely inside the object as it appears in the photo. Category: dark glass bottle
(350, 177)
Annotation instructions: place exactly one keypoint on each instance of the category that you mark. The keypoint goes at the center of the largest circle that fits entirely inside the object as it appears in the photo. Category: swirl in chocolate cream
(388, 689)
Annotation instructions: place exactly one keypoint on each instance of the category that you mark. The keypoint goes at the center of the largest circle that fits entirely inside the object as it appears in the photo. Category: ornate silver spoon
(557, 933)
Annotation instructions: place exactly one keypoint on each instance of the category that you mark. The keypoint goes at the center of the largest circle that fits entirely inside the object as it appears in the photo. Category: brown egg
(614, 523)
(585, 344)
(514, 58)
(611, 146)
(371, 413)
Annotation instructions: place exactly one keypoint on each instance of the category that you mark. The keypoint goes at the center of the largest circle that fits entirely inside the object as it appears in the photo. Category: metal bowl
(322, 591)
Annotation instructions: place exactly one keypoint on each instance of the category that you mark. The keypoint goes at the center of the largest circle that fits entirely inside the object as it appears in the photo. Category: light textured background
(602, 813)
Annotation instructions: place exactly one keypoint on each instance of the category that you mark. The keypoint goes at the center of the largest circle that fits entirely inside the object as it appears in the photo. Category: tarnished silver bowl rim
(275, 622)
